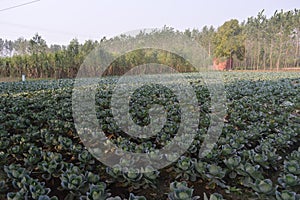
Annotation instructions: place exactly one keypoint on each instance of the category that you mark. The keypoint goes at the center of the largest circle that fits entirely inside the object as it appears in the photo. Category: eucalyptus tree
(21, 46)
(37, 44)
(294, 48)
(205, 38)
(1, 46)
(8, 48)
(256, 41)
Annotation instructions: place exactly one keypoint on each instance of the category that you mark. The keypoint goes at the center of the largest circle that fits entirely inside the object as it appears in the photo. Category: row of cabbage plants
(256, 156)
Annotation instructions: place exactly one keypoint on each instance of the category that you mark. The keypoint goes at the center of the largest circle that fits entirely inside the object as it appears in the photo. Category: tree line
(258, 43)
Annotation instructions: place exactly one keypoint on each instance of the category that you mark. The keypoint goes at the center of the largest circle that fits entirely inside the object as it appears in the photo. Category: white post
(23, 77)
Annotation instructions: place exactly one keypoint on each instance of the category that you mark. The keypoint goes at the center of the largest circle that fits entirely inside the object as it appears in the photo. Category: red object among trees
(222, 64)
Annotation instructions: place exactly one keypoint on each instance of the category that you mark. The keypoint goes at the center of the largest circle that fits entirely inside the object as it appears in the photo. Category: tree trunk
(258, 54)
(279, 53)
(230, 62)
(297, 51)
(270, 57)
(209, 51)
(264, 57)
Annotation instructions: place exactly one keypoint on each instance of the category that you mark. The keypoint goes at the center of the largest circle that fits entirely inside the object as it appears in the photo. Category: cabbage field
(257, 155)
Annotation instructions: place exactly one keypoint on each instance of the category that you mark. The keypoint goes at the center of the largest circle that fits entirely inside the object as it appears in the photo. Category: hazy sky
(59, 21)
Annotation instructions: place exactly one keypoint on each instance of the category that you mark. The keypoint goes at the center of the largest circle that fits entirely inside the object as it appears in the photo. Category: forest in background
(258, 43)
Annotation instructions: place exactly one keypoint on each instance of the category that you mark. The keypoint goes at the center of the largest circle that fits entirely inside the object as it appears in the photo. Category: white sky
(59, 21)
